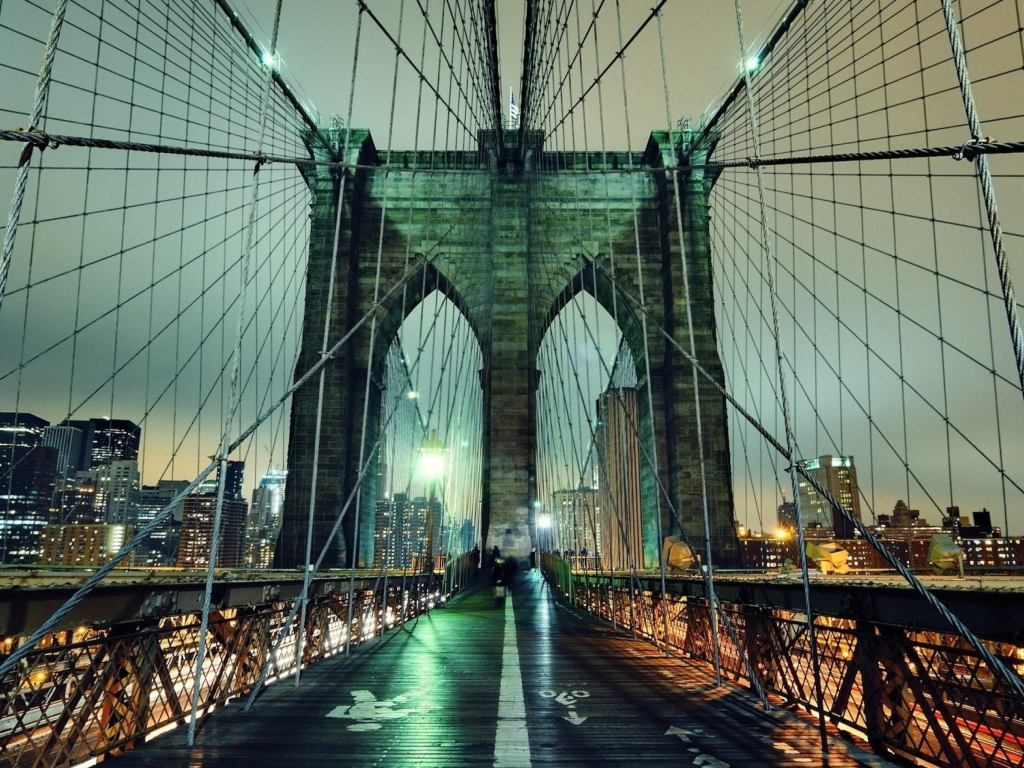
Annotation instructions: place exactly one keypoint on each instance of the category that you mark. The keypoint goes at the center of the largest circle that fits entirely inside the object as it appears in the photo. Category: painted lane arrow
(709, 762)
(575, 719)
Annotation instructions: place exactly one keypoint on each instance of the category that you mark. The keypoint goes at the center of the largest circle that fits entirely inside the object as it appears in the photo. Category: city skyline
(54, 511)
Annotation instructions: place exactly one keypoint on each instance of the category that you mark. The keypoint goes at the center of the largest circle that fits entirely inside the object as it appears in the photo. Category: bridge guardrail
(86, 692)
(919, 694)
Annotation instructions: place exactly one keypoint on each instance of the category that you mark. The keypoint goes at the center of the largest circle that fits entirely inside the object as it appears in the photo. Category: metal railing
(86, 692)
(923, 695)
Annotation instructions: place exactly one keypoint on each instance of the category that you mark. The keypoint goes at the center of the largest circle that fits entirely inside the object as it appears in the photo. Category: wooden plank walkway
(519, 682)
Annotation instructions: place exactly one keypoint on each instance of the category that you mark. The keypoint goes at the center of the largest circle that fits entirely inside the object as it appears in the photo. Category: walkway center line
(512, 741)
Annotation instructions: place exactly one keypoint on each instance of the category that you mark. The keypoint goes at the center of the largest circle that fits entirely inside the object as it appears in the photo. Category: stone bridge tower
(510, 238)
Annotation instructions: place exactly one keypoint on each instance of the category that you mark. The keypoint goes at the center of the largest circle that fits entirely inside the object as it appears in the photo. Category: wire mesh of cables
(126, 279)
(892, 319)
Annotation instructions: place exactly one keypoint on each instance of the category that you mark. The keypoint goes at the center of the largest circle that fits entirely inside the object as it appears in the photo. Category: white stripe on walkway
(512, 741)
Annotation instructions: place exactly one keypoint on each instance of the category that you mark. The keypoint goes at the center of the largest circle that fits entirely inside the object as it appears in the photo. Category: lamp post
(432, 467)
(544, 524)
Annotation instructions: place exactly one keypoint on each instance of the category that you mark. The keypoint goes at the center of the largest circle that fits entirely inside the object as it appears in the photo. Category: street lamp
(432, 467)
(544, 524)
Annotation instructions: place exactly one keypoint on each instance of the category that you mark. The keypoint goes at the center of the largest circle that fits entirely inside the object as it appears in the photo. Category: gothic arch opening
(594, 442)
(426, 502)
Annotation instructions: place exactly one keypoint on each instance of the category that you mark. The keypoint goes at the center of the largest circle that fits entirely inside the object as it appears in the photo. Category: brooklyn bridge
(587, 383)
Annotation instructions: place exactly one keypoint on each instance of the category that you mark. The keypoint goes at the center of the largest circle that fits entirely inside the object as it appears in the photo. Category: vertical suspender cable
(640, 283)
(408, 248)
(715, 607)
(773, 293)
(353, 555)
(339, 203)
(233, 395)
(611, 246)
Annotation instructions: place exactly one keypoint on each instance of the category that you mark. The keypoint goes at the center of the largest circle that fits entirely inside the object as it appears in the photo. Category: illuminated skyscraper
(114, 440)
(196, 540)
(386, 551)
(123, 487)
(265, 519)
(161, 546)
(233, 483)
(838, 476)
(400, 534)
(68, 442)
(27, 474)
(108, 493)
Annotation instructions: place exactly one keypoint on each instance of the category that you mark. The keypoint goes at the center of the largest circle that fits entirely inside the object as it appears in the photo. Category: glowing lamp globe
(432, 465)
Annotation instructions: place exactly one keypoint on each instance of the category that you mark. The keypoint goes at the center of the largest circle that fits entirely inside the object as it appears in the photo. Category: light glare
(432, 464)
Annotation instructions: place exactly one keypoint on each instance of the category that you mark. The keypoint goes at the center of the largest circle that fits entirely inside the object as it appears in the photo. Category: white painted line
(512, 741)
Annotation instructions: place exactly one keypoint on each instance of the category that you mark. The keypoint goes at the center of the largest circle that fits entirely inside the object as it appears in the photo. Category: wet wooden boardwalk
(518, 683)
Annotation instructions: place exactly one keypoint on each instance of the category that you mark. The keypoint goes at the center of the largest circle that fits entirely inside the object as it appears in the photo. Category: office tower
(122, 491)
(467, 536)
(20, 433)
(264, 519)
(68, 442)
(108, 493)
(114, 440)
(576, 523)
(85, 545)
(235, 480)
(27, 474)
(161, 546)
(786, 515)
(401, 531)
(385, 552)
(196, 540)
(233, 483)
(382, 467)
(838, 476)
(618, 450)
(85, 504)
(417, 518)
(87, 428)
(259, 544)
(272, 486)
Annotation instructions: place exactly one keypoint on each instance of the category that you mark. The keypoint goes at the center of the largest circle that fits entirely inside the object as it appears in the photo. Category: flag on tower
(513, 110)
